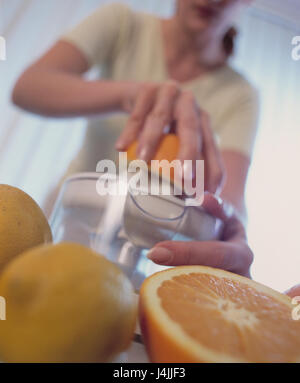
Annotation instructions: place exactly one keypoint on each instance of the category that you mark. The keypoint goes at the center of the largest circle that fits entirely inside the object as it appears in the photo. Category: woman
(163, 73)
(138, 54)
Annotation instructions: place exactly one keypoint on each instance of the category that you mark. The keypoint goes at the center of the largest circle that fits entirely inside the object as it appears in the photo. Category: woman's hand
(154, 108)
(232, 253)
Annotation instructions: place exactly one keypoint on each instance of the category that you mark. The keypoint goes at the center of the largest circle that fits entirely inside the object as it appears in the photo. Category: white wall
(274, 182)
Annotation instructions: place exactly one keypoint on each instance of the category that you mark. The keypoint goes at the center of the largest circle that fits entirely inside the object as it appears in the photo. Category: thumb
(230, 256)
(172, 253)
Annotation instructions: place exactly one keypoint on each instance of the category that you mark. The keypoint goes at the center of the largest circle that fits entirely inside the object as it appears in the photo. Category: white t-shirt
(127, 45)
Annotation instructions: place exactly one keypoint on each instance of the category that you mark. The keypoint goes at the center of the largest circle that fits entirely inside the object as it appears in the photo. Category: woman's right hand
(153, 108)
(231, 253)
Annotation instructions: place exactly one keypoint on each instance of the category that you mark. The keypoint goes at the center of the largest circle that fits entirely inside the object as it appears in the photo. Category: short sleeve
(240, 122)
(98, 35)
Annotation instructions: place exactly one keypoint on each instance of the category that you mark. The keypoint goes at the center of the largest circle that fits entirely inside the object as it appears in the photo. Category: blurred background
(34, 151)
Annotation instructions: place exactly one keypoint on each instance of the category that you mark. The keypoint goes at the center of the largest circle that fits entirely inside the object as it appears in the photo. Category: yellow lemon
(22, 224)
(65, 303)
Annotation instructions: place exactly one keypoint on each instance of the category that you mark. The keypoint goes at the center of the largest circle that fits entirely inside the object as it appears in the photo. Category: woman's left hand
(232, 253)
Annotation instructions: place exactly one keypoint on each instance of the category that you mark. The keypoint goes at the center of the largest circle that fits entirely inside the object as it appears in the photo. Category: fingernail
(228, 209)
(219, 199)
(119, 145)
(217, 139)
(143, 154)
(160, 255)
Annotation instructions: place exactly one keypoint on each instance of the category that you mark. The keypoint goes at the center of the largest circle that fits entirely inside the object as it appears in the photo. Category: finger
(188, 131)
(215, 170)
(143, 105)
(172, 128)
(160, 117)
(215, 206)
(234, 228)
(233, 257)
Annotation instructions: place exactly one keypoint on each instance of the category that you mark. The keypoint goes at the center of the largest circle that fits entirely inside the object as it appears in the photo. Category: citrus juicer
(123, 227)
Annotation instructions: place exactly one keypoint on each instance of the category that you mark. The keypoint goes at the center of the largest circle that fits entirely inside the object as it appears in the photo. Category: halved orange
(199, 314)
